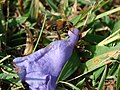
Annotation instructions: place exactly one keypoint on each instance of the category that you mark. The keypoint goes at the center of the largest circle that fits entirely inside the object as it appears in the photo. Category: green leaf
(52, 5)
(102, 50)
(114, 36)
(80, 84)
(108, 13)
(97, 73)
(91, 18)
(93, 38)
(101, 15)
(76, 19)
(100, 86)
(34, 9)
(118, 79)
(12, 77)
(100, 55)
(85, 2)
(113, 69)
(21, 20)
(15, 22)
(101, 58)
(100, 4)
(70, 85)
(116, 26)
(16, 35)
(60, 88)
(17, 41)
(71, 66)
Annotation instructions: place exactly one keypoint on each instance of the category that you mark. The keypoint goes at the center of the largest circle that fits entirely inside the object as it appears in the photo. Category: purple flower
(42, 68)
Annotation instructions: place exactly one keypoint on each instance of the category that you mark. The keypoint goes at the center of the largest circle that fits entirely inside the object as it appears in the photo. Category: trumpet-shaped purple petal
(42, 68)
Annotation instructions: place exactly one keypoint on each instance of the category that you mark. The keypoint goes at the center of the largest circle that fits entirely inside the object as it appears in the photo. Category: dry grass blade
(74, 10)
(29, 42)
(34, 9)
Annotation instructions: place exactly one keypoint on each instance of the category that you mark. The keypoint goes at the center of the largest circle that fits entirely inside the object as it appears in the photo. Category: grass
(96, 57)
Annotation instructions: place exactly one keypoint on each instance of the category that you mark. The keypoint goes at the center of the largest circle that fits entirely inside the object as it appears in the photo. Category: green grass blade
(100, 87)
(113, 69)
(70, 85)
(111, 38)
(118, 79)
(8, 56)
(107, 13)
(70, 67)
(40, 33)
(34, 9)
(97, 73)
(101, 15)
(52, 5)
(99, 60)
(80, 84)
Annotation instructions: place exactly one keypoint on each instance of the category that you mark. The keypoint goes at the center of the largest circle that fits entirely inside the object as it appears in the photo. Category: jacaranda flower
(42, 68)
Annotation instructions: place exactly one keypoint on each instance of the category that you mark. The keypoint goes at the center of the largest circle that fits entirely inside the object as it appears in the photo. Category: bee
(62, 25)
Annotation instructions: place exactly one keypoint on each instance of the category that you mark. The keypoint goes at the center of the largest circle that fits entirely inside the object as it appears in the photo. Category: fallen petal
(42, 68)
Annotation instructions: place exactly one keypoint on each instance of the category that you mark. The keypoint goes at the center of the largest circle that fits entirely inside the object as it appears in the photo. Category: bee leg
(59, 37)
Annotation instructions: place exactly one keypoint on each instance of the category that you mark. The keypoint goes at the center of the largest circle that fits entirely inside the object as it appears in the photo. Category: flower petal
(42, 68)
(74, 35)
